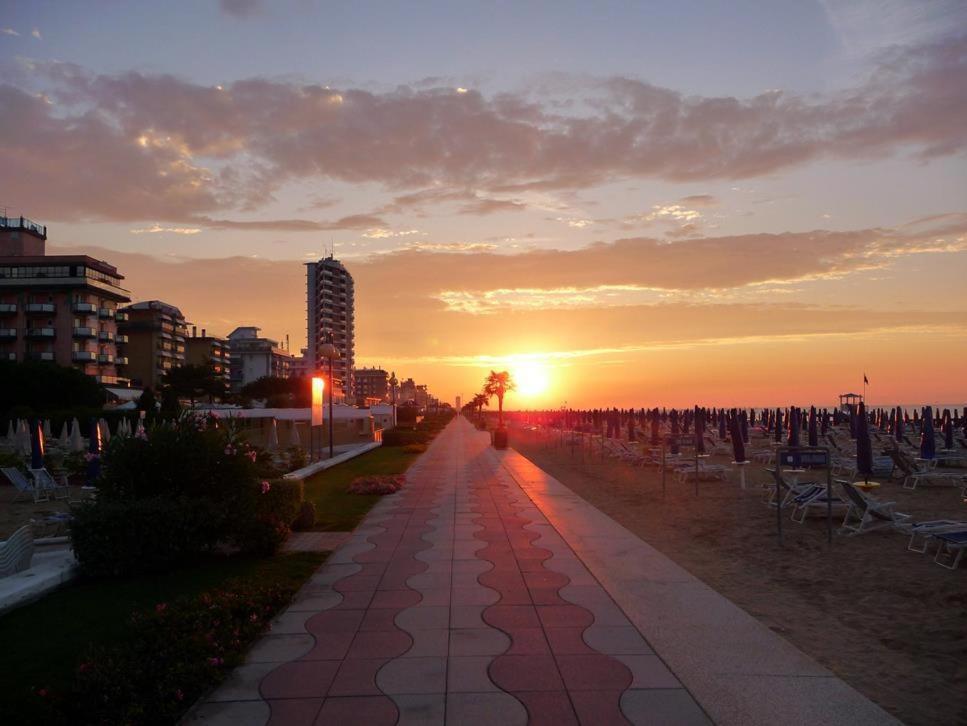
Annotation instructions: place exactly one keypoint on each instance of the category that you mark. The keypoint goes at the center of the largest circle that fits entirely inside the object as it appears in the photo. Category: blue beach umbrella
(36, 445)
(864, 448)
(738, 447)
(813, 432)
(928, 446)
(778, 425)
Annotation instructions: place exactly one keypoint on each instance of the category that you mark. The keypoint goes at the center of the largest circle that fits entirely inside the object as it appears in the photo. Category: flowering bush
(388, 484)
(177, 651)
(184, 488)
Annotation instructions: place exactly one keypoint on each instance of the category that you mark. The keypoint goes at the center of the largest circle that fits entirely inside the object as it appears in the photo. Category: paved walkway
(467, 598)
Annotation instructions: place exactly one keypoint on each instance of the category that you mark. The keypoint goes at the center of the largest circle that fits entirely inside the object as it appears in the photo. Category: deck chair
(870, 513)
(43, 479)
(924, 530)
(25, 488)
(16, 552)
(913, 473)
(951, 548)
(788, 491)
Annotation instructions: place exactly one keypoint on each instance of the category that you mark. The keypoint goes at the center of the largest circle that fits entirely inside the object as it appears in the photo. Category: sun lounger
(950, 549)
(45, 480)
(914, 473)
(26, 489)
(924, 530)
(789, 490)
(870, 513)
(16, 552)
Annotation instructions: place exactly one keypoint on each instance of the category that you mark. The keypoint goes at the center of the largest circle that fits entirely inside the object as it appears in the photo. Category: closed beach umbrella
(36, 446)
(722, 424)
(948, 433)
(654, 428)
(94, 453)
(11, 432)
(294, 439)
(738, 447)
(77, 443)
(864, 448)
(824, 423)
(813, 432)
(105, 431)
(778, 425)
(898, 427)
(794, 426)
(25, 435)
(673, 418)
(744, 425)
(699, 431)
(928, 447)
(47, 431)
(272, 441)
(65, 438)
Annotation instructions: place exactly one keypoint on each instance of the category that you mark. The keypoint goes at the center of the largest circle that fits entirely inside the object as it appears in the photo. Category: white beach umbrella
(24, 437)
(294, 439)
(105, 430)
(139, 431)
(64, 439)
(77, 441)
(47, 433)
(11, 432)
(272, 442)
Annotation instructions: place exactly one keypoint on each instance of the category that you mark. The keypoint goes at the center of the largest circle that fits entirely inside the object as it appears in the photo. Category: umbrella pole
(663, 469)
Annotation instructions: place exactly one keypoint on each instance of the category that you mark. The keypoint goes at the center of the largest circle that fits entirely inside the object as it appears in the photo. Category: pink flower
(266, 487)
(215, 661)
(252, 455)
(161, 607)
(89, 456)
(42, 693)
(253, 617)
(141, 434)
(229, 450)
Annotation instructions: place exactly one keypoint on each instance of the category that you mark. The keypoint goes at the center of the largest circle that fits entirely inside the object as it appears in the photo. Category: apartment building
(154, 341)
(331, 309)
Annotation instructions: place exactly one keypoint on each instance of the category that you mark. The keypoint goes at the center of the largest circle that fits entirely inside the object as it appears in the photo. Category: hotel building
(154, 341)
(370, 383)
(58, 308)
(209, 350)
(331, 310)
(253, 357)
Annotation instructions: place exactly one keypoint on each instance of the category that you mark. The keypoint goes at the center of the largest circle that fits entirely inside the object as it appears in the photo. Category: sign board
(804, 457)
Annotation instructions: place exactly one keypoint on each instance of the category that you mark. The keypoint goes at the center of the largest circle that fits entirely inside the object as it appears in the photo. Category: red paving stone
(371, 711)
(300, 679)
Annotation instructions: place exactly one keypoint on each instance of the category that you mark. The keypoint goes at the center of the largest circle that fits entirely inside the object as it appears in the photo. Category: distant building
(302, 366)
(209, 350)
(57, 308)
(370, 384)
(407, 390)
(154, 341)
(253, 357)
(330, 301)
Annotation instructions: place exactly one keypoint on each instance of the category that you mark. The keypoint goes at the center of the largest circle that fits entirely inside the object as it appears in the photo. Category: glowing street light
(318, 390)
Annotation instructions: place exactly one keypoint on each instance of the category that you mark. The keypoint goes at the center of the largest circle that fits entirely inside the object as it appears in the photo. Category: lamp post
(329, 350)
(392, 387)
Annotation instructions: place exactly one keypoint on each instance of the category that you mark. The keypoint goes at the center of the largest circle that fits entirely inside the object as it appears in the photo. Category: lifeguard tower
(849, 401)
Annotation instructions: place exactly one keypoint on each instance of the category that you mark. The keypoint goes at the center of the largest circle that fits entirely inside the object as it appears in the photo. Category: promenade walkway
(486, 592)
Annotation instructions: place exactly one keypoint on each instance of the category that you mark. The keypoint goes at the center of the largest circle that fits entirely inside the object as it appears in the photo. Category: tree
(192, 381)
(40, 388)
(292, 392)
(478, 402)
(147, 402)
(499, 384)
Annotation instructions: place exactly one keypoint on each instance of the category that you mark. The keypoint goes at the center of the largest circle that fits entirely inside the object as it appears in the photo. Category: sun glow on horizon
(532, 377)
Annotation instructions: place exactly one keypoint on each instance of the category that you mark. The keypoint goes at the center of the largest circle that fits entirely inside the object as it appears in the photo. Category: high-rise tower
(332, 310)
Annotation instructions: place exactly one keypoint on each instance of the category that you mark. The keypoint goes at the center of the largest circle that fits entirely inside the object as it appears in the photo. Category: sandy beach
(890, 622)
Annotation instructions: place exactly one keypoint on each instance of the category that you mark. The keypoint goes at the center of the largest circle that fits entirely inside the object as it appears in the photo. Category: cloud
(36, 33)
(8, 31)
(209, 149)
(157, 229)
(240, 8)
(383, 233)
(698, 200)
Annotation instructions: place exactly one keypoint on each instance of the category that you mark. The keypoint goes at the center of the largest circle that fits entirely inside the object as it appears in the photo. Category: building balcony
(39, 332)
(107, 336)
(121, 317)
(83, 332)
(8, 308)
(121, 338)
(121, 360)
(46, 308)
(8, 333)
(84, 307)
(105, 358)
(106, 313)
(84, 356)
(44, 355)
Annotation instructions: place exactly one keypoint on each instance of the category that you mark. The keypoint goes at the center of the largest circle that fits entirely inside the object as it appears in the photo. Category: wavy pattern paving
(549, 666)
(455, 602)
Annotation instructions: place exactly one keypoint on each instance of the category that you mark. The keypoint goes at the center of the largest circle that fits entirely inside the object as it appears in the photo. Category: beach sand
(890, 622)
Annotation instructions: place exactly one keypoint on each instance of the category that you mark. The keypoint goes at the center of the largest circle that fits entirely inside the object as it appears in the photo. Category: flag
(866, 380)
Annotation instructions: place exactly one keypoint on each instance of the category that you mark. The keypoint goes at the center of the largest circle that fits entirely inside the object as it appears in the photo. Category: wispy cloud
(36, 33)
(383, 233)
(8, 31)
(158, 229)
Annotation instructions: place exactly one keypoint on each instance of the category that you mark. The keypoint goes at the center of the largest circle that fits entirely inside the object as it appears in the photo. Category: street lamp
(329, 350)
(392, 388)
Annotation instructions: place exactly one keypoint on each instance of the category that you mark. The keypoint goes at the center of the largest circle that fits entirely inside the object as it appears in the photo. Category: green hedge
(403, 437)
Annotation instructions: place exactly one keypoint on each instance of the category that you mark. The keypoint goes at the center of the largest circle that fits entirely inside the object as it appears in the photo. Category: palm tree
(499, 384)
(478, 402)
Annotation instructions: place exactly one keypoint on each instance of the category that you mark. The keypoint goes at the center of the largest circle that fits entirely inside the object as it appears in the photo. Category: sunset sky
(661, 204)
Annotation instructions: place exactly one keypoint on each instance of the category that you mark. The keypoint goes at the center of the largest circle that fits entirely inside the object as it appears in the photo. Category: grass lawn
(336, 509)
(43, 642)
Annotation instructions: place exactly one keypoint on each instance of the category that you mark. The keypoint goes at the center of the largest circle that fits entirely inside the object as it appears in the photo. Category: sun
(532, 378)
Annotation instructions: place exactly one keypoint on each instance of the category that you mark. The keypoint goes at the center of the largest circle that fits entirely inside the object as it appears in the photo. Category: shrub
(414, 448)
(119, 538)
(177, 651)
(377, 484)
(306, 519)
(269, 507)
(403, 437)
